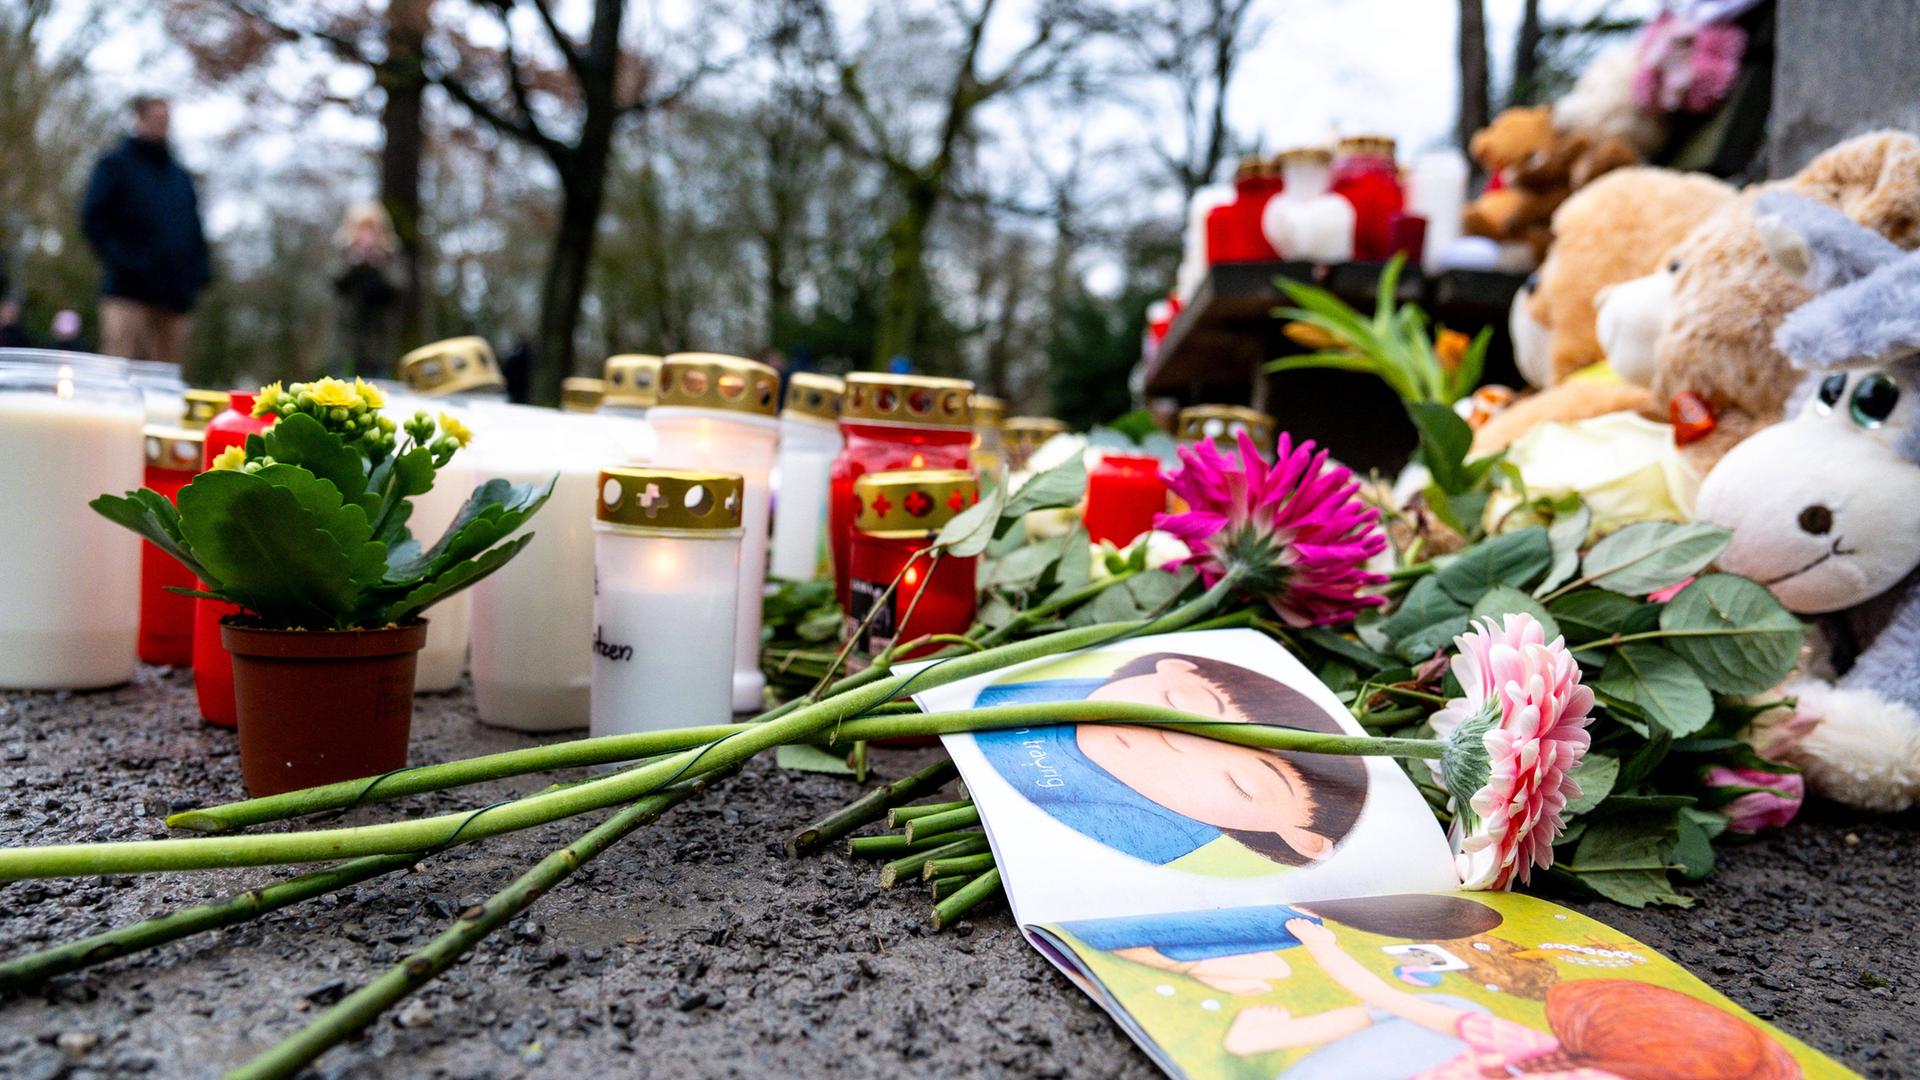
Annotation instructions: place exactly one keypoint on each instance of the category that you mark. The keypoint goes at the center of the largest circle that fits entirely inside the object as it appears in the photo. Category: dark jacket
(143, 220)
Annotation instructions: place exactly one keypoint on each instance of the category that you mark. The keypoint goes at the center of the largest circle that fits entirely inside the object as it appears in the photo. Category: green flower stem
(1401, 691)
(965, 899)
(870, 807)
(1614, 640)
(909, 867)
(947, 821)
(430, 833)
(957, 864)
(900, 815)
(894, 845)
(361, 1007)
(37, 967)
(944, 887)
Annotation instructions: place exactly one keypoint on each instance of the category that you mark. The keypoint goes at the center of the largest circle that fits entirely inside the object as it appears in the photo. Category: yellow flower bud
(452, 428)
(233, 457)
(369, 393)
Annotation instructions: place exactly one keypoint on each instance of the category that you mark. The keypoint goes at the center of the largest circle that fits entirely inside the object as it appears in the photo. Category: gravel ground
(695, 949)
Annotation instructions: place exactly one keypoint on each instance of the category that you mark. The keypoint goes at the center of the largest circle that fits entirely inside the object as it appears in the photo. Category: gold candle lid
(681, 500)
(1033, 430)
(815, 395)
(715, 381)
(632, 380)
(1198, 422)
(202, 406)
(1305, 155)
(579, 393)
(912, 502)
(988, 411)
(1373, 145)
(173, 448)
(451, 366)
(915, 400)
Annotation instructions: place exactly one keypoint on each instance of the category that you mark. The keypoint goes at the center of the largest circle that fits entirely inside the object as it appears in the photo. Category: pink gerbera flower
(1297, 529)
(1514, 740)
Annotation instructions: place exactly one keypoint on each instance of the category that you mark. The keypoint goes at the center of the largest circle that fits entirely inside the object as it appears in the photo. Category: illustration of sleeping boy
(1601, 1029)
(1159, 795)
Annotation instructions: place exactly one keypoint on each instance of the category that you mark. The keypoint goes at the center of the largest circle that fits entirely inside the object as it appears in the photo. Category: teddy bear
(1824, 508)
(1537, 165)
(1698, 331)
(1613, 230)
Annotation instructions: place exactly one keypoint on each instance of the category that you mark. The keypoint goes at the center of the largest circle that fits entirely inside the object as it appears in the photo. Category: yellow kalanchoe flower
(452, 428)
(233, 457)
(331, 393)
(268, 400)
(369, 393)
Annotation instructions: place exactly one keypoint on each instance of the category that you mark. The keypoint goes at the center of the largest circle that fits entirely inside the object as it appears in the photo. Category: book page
(1101, 820)
(1445, 986)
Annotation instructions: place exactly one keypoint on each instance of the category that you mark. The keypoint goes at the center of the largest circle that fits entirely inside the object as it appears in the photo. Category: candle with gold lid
(989, 453)
(1022, 435)
(809, 441)
(1223, 424)
(666, 592)
(720, 412)
(581, 394)
(166, 618)
(894, 422)
(202, 406)
(897, 516)
(631, 382)
(462, 366)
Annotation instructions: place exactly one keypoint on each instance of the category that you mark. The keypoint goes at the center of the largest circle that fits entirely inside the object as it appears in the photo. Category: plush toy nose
(1817, 519)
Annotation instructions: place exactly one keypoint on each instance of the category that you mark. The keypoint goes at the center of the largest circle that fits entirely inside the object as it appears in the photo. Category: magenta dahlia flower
(1296, 528)
(1513, 740)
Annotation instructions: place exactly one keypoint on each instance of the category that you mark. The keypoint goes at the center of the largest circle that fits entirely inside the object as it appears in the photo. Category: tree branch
(569, 48)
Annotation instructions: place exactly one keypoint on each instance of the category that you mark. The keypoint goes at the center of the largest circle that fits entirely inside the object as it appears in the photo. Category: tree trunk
(1475, 109)
(403, 127)
(1526, 57)
(906, 276)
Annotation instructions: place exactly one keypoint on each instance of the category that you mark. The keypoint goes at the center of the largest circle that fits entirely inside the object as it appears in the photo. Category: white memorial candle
(70, 430)
(666, 590)
(718, 412)
(809, 441)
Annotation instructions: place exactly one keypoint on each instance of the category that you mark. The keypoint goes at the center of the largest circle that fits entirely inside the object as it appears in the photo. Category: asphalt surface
(696, 948)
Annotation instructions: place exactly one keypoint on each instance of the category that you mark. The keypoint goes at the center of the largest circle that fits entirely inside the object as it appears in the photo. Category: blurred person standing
(142, 218)
(366, 293)
(13, 332)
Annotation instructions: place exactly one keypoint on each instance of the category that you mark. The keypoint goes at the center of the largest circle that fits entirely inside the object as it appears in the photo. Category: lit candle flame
(919, 462)
(63, 388)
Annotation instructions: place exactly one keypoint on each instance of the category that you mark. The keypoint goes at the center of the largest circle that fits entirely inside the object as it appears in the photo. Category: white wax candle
(663, 640)
(70, 604)
(734, 442)
(807, 450)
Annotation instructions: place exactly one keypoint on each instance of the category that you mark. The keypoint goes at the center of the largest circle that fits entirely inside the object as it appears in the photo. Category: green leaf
(1733, 632)
(1635, 888)
(1023, 569)
(451, 579)
(1074, 567)
(821, 624)
(1595, 776)
(971, 530)
(1425, 620)
(1692, 849)
(494, 510)
(799, 757)
(1652, 555)
(302, 440)
(1507, 600)
(267, 550)
(346, 522)
(1661, 684)
(149, 513)
(1063, 485)
(1444, 442)
(1565, 535)
(1135, 598)
(1514, 558)
(1637, 840)
(1596, 613)
(1342, 646)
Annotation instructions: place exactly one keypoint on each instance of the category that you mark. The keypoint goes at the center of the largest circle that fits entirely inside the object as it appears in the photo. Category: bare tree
(1475, 95)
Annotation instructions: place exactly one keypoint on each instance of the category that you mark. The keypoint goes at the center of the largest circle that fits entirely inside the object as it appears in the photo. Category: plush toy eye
(1673, 267)
(1873, 400)
(1831, 388)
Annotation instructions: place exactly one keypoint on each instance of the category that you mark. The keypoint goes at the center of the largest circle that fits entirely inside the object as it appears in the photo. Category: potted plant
(305, 528)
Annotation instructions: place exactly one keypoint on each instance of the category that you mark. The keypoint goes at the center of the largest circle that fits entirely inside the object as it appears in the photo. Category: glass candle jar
(1223, 424)
(1025, 434)
(809, 441)
(1233, 229)
(899, 514)
(70, 431)
(720, 412)
(989, 454)
(1124, 492)
(632, 384)
(212, 664)
(166, 618)
(461, 367)
(161, 388)
(893, 422)
(531, 619)
(665, 599)
(202, 406)
(1364, 175)
(1306, 221)
(579, 393)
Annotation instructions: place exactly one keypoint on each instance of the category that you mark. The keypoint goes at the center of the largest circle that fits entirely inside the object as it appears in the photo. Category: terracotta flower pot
(316, 706)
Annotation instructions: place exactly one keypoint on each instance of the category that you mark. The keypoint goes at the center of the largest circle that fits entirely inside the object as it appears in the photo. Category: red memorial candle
(897, 516)
(1124, 492)
(166, 618)
(892, 422)
(212, 666)
(1364, 175)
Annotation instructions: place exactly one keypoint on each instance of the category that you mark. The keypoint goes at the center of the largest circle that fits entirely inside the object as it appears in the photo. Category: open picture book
(1253, 913)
